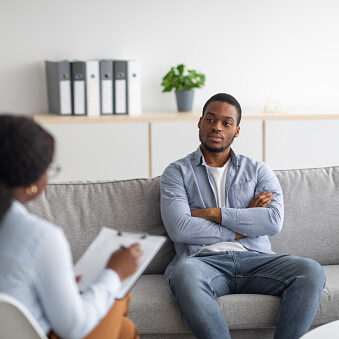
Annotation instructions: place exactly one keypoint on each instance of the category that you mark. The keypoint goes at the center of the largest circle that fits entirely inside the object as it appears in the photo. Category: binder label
(107, 93)
(120, 96)
(79, 97)
(93, 99)
(65, 97)
(93, 88)
(134, 95)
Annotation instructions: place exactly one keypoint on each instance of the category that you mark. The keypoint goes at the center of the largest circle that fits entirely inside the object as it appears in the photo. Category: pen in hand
(125, 260)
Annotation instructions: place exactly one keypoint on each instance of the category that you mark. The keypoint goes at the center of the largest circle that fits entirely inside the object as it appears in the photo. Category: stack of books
(93, 88)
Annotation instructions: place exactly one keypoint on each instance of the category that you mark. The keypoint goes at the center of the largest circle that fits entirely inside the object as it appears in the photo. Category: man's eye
(227, 124)
(209, 120)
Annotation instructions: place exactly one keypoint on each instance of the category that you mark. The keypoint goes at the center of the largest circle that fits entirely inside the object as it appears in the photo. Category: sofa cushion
(81, 209)
(329, 305)
(154, 310)
(311, 223)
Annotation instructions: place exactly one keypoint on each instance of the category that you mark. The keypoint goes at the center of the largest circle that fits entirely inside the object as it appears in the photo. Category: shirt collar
(15, 207)
(200, 160)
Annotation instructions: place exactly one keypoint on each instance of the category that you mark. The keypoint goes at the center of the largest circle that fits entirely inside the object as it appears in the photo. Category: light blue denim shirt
(186, 184)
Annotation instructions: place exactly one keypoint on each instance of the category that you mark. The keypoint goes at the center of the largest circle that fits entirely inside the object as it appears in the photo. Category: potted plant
(184, 83)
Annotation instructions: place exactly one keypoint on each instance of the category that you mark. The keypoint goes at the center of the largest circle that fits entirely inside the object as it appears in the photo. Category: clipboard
(95, 258)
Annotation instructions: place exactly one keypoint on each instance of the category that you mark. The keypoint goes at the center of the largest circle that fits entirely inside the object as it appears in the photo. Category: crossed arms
(205, 226)
(263, 199)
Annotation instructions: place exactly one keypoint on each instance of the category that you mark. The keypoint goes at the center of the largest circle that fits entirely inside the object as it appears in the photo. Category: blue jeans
(197, 281)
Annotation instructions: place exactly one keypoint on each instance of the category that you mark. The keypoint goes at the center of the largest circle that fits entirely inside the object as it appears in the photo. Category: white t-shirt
(218, 176)
(218, 179)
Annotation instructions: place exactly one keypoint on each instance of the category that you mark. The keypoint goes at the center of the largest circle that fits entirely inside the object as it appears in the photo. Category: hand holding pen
(125, 260)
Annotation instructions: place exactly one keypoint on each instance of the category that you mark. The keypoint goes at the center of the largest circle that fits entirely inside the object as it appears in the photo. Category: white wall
(250, 48)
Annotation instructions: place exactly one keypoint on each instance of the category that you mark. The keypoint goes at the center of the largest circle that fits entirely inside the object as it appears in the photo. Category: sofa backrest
(311, 224)
(81, 209)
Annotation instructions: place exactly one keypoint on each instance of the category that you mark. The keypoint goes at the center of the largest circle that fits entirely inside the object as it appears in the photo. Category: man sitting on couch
(219, 209)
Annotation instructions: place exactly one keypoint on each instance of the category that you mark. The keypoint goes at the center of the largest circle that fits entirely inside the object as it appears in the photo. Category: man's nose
(217, 126)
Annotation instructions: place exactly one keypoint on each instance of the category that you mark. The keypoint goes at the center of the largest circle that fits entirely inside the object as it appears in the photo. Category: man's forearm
(210, 213)
(186, 229)
(253, 222)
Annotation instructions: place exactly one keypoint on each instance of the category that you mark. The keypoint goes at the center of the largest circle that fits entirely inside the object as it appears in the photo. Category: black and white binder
(133, 85)
(58, 74)
(120, 87)
(78, 71)
(92, 88)
(94, 260)
(106, 87)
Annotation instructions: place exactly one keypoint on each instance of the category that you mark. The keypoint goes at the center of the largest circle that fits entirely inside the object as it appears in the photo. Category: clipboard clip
(142, 236)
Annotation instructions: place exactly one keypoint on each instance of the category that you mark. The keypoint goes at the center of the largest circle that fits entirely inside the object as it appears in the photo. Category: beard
(216, 150)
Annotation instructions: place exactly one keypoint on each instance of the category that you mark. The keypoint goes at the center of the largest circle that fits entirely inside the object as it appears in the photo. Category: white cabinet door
(174, 140)
(110, 151)
(250, 139)
(302, 143)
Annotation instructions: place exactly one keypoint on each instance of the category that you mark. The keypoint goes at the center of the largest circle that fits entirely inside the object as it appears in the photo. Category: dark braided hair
(26, 150)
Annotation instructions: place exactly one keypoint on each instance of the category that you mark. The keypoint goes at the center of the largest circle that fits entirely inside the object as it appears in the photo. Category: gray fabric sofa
(311, 229)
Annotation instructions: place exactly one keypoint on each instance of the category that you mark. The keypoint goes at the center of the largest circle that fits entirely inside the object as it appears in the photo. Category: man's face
(218, 127)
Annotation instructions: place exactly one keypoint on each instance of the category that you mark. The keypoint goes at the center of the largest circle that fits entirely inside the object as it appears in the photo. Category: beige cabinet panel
(172, 141)
(302, 143)
(250, 140)
(101, 151)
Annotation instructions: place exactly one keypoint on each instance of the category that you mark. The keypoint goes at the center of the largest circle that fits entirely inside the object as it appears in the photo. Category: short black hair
(26, 150)
(224, 97)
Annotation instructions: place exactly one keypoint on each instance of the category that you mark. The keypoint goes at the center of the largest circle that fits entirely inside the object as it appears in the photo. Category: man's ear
(199, 123)
(237, 132)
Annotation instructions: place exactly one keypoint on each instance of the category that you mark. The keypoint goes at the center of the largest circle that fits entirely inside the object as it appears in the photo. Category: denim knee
(186, 276)
(313, 272)
(185, 269)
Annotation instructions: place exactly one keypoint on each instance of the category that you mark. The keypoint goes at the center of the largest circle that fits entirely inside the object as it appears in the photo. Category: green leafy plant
(181, 80)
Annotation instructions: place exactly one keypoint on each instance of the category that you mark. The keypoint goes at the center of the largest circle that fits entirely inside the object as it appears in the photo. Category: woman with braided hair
(30, 270)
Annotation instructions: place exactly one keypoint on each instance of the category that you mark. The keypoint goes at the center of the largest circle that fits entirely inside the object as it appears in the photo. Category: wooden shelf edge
(172, 117)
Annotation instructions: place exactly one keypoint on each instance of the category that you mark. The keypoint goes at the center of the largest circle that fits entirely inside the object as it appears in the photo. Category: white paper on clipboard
(94, 260)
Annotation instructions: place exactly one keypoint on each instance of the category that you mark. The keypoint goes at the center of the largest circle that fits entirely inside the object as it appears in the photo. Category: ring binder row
(93, 88)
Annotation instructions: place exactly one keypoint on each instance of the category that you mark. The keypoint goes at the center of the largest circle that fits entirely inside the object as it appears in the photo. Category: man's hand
(261, 200)
(210, 213)
(239, 236)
